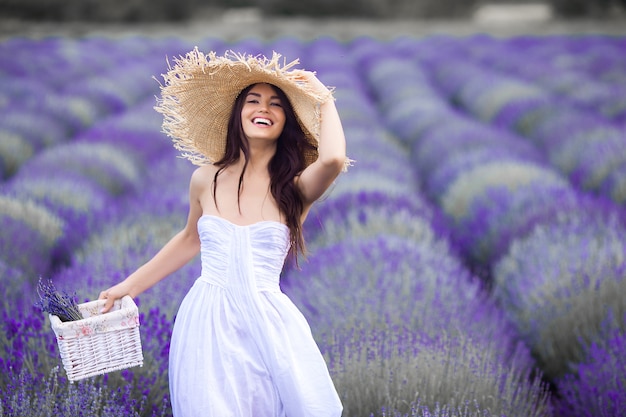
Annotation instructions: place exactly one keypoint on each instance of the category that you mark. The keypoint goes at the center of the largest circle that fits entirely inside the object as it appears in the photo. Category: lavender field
(471, 263)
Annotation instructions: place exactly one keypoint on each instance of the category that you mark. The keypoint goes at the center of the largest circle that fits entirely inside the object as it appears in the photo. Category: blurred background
(181, 10)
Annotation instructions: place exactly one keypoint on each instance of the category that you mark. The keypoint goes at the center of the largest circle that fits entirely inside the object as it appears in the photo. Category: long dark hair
(286, 164)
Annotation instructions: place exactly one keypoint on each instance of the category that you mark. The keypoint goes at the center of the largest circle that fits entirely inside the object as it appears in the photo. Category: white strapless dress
(240, 347)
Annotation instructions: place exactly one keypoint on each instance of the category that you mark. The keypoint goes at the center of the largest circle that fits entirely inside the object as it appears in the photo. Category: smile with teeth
(262, 121)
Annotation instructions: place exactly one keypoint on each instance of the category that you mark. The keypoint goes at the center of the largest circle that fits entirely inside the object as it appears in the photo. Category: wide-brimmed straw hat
(199, 91)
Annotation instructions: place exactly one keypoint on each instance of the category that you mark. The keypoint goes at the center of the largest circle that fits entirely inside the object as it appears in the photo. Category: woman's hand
(310, 78)
(110, 295)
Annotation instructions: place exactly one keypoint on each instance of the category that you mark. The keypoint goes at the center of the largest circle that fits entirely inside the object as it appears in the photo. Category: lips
(262, 121)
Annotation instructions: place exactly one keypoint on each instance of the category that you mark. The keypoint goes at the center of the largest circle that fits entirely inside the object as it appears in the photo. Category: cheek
(282, 117)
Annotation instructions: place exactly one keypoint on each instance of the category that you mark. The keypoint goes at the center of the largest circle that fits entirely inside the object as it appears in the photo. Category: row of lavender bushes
(67, 198)
(551, 247)
(419, 286)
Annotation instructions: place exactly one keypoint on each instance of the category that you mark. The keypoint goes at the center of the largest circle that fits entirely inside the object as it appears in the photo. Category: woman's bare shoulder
(204, 171)
(203, 176)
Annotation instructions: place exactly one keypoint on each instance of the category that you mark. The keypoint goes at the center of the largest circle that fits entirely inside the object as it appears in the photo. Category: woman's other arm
(177, 252)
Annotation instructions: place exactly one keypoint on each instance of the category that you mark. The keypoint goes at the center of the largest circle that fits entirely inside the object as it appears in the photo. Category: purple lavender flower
(14, 151)
(30, 233)
(113, 169)
(461, 135)
(137, 131)
(79, 201)
(597, 386)
(58, 303)
(560, 283)
(615, 185)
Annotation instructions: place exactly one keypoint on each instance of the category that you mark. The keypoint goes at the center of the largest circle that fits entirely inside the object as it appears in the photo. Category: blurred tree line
(177, 10)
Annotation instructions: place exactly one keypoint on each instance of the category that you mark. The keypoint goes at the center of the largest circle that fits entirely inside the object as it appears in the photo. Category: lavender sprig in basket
(57, 303)
(92, 343)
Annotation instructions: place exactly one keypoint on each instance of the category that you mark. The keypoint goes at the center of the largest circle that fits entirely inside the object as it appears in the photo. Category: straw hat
(199, 93)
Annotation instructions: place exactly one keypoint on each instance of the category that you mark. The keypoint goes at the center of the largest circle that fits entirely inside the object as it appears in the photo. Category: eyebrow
(259, 95)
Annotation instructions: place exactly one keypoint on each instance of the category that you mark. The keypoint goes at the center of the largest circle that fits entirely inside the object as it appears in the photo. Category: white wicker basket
(99, 343)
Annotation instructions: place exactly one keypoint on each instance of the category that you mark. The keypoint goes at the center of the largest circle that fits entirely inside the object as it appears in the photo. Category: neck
(260, 156)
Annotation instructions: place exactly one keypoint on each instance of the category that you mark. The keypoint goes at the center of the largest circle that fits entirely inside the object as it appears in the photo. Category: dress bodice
(234, 255)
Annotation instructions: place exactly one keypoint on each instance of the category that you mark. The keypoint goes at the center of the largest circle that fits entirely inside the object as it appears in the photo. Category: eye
(276, 103)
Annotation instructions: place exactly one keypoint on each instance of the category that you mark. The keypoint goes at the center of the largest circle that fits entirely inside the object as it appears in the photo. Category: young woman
(269, 143)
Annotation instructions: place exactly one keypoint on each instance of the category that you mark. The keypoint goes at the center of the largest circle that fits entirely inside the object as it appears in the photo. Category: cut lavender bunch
(56, 302)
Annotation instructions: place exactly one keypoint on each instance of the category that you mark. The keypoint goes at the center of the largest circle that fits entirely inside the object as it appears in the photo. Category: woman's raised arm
(318, 176)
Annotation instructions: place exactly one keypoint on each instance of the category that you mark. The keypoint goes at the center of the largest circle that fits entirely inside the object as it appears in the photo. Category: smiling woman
(239, 346)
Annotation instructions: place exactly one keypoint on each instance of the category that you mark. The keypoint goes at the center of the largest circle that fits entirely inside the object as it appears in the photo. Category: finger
(304, 75)
(107, 305)
(103, 295)
(300, 75)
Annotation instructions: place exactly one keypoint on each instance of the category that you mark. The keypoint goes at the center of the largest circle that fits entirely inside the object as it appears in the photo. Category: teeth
(262, 121)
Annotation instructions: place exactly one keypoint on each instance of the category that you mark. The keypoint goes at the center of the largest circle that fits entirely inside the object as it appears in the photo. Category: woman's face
(262, 115)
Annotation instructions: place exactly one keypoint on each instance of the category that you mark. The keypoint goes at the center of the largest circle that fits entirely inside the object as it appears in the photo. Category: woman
(269, 143)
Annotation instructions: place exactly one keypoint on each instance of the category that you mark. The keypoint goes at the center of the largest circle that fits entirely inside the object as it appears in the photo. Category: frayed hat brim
(199, 91)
